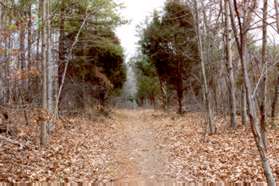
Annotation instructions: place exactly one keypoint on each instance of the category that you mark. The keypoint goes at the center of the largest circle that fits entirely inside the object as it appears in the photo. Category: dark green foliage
(170, 43)
(96, 62)
(97, 57)
(148, 82)
(104, 54)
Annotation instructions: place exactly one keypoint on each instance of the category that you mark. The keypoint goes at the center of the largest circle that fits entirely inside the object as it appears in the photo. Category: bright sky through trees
(136, 11)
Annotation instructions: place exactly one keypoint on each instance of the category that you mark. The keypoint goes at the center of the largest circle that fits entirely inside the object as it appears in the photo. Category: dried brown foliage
(133, 144)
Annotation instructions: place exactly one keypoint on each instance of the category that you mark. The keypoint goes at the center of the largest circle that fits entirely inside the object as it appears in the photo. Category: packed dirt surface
(135, 146)
(138, 150)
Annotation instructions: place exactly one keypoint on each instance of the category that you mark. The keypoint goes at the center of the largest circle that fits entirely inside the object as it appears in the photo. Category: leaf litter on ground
(83, 149)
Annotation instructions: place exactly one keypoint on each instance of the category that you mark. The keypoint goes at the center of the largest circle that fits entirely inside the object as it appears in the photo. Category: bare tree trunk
(61, 39)
(251, 100)
(3, 24)
(164, 94)
(254, 119)
(56, 108)
(21, 88)
(45, 50)
(276, 6)
(51, 80)
(244, 117)
(212, 128)
(275, 101)
(263, 102)
(51, 64)
(228, 32)
(39, 34)
(276, 94)
(29, 49)
(179, 87)
(9, 82)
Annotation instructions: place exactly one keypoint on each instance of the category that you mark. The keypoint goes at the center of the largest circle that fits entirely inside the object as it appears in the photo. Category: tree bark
(228, 37)
(61, 40)
(51, 64)
(4, 22)
(179, 87)
(274, 106)
(29, 50)
(39, 35)
(244, 117)
(56, 108)
(277, 14)
(263, 104)
(45, 50)
(276, 93)
(212, 128)
(20, 84)
(251, 100)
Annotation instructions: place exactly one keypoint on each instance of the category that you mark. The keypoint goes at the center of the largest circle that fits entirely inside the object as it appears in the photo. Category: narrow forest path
(138, 151)
(136, 147)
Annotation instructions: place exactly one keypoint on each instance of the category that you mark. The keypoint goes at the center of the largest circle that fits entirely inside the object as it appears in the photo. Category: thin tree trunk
(228, 32)
(276, 93)
(21, 88)
(251, 100)
(22, 48)
(61, 39)
(244, 117)
(52, 70)
(3, 24)
(51, 64)
(164, 94)
(29, 49)
(44, 133)
(276, 6)
(254, 119)
(39, 34)
(179, 87)
(10, 84)
(56, 108)
(275, 101)
(212, 128)
(263, 104)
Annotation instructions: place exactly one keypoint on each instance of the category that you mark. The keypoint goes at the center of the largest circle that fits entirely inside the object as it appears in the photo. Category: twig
(12, 141)
(68, 61)
(261, 77)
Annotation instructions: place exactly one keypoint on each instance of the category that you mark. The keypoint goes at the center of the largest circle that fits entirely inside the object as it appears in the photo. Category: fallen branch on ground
(12, 141)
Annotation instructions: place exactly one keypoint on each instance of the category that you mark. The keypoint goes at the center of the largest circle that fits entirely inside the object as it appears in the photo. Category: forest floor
(135, 146)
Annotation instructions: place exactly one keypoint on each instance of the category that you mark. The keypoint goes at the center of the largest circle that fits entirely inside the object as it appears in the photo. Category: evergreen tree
(170, 43)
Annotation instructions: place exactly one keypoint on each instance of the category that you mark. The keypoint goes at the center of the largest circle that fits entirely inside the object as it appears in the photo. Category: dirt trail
(138, 151)
(136, 147)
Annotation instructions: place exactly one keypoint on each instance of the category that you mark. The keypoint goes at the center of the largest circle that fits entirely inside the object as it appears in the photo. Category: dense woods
(54, 47)
(236, 74)
(62, 64)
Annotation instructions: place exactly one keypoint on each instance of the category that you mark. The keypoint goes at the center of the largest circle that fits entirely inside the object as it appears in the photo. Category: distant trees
(148, 82)
(170, 43)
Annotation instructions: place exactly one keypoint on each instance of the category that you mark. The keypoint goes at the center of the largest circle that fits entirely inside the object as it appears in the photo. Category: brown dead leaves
(76, 153)
(230, 155)
(84, 150)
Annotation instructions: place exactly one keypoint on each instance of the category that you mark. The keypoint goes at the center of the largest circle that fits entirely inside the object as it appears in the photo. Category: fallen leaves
(86, 150)
(77, 153)
(229, 156)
